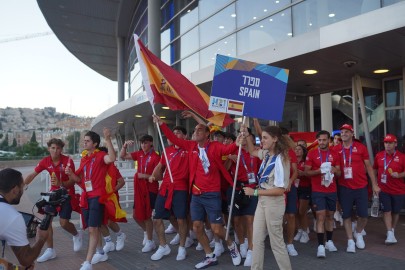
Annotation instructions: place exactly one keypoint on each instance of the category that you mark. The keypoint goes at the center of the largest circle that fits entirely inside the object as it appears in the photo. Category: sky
(40, 72)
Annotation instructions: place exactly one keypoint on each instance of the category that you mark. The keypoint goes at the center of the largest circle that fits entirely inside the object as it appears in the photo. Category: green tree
(4, 144)
(33, 137)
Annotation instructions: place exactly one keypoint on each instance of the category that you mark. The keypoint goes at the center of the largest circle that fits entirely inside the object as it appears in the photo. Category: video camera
(48, 204)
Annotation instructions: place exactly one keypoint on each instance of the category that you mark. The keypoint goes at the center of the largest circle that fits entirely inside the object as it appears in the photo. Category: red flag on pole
(165, 85)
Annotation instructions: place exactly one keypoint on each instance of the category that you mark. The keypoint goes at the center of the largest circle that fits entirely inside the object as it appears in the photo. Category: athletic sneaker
(175, 240)
(181, 254)
(149, 246)
(86, 266)
(192, 235)
(330, 246)
(145, 238)
(207, 262)
(199, 247)
(120, 241)
(209, 234)
(77, 241)
(170, 229)
(98, 257)
(351, 246)
(243, 249)
(235, 255)
(359, 240)
(189, 242)
(304, 238)
(297, 237)
(162, 251)
(49, 254)
(390, 238)
(212, 243)
(321, 251)
(248, 260)
(218, 249)
(291, 250)
(109, 246)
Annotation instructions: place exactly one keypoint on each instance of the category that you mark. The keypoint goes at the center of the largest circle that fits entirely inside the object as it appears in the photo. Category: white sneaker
(175, 240)
(212, 243)
(149, 246)
(77, 241)
(145, 238)
(86, 266)
(199, 247)
(363, 232)
(218, 249)
(192, 235)
(243, 249)
(351, 247)
(248, 260)
(109, 246)
(235, 255)
(321, 251)
(49, 254)
(359, 240)
(330, 246)
(120, 241)
(189, 242)
(304, 238)
(162, 251)
(181, 254)
(170, 229)
(291, 250)
(98, 257)
(297, 237)
(207, 262)
(390, 238)
(338, 217)
(209, 234)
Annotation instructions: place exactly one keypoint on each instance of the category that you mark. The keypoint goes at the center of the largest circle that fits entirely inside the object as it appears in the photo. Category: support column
(154, 27)
(121, 68)
(326, 112)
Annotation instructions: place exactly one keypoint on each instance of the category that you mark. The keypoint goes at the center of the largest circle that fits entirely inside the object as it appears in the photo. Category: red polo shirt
(395, 163)
(146, 163)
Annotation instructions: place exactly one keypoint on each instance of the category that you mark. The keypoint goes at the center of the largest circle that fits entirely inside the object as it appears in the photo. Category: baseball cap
(390, 138)
(347, 126)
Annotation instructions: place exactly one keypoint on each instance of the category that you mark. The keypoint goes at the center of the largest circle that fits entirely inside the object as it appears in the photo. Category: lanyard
(320, 156)
(147, 160)
(91, 169)
(244, 163)
(175, 154)
(60, 171)
(385, 160)
(344, 156)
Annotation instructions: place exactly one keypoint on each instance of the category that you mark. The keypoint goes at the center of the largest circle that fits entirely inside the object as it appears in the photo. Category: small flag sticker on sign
(235, 107)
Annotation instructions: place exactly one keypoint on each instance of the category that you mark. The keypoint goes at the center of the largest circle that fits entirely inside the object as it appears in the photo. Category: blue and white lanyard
(91, 169)
(344, 156)
(385, 160)
(320, 156)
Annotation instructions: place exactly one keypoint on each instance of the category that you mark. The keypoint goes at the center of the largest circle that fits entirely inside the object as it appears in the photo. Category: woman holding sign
(273, 179)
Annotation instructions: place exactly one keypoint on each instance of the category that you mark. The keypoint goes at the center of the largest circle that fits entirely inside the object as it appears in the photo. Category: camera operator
(12, 226)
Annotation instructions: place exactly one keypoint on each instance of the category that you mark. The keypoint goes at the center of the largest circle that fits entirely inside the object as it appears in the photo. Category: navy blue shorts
(292, 198)
(358, 197)
(304, 193)
(245, 210)
(391, 203)
(179, 205)
(324, 201)
(209, 203)
(93, 216)
(152, 199)
(65, 209)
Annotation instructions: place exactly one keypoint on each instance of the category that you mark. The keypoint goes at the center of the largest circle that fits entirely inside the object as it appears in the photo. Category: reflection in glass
(394, 93)
(268, 31)
(208, 7)
(226, 47)
(188, 43)
(395, 120)
(188, 19)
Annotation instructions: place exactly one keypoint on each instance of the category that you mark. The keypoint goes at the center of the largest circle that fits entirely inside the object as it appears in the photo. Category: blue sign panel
(245, 88)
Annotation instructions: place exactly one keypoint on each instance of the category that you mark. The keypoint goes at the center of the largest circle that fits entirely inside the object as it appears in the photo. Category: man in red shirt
(354, 161)
(206, 168)
(91, 176)
(145, 192)
(55, 165)
(321, 166)
(173, 196)
(389, 168)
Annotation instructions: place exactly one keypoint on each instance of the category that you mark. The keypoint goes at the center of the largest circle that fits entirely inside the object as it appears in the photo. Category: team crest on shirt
(355, 149)
(49, 167)
(396, 159)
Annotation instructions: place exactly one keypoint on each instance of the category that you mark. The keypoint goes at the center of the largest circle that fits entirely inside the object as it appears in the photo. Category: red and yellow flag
(165, 85)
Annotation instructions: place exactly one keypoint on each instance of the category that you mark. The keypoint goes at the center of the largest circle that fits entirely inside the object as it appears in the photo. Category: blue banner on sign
(245, 88)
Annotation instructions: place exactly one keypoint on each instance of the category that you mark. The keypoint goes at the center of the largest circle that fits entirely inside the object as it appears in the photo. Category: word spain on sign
(245, 88)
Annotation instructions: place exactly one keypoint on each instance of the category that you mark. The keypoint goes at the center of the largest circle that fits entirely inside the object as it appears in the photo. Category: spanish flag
(165, 85)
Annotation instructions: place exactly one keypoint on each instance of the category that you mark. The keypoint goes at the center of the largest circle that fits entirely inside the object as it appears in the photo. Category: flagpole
(234, 187)
(163, 146)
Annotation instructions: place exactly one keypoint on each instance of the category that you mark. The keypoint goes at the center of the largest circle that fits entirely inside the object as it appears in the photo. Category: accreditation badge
(88, 185)
(383, 178)
(348, 172)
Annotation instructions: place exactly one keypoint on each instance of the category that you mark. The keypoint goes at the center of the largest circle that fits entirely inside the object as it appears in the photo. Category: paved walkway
(375, 256)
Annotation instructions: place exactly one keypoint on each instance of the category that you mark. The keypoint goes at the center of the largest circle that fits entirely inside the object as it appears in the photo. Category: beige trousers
(269, 217)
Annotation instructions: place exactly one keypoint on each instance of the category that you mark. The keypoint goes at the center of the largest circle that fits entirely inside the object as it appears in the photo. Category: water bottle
(375, 206)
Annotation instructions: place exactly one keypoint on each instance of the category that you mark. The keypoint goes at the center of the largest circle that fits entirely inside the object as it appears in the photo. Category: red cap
(348, 127)
(390, 138)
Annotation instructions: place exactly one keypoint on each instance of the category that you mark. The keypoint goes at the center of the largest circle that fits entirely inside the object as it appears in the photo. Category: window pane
(189, 43)
(394, 93)
(268, 31)
(226, 47)
(165, 55)
(208, 7)
(189, 19)
(395, 121)
(190, 64)
(217, 26)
